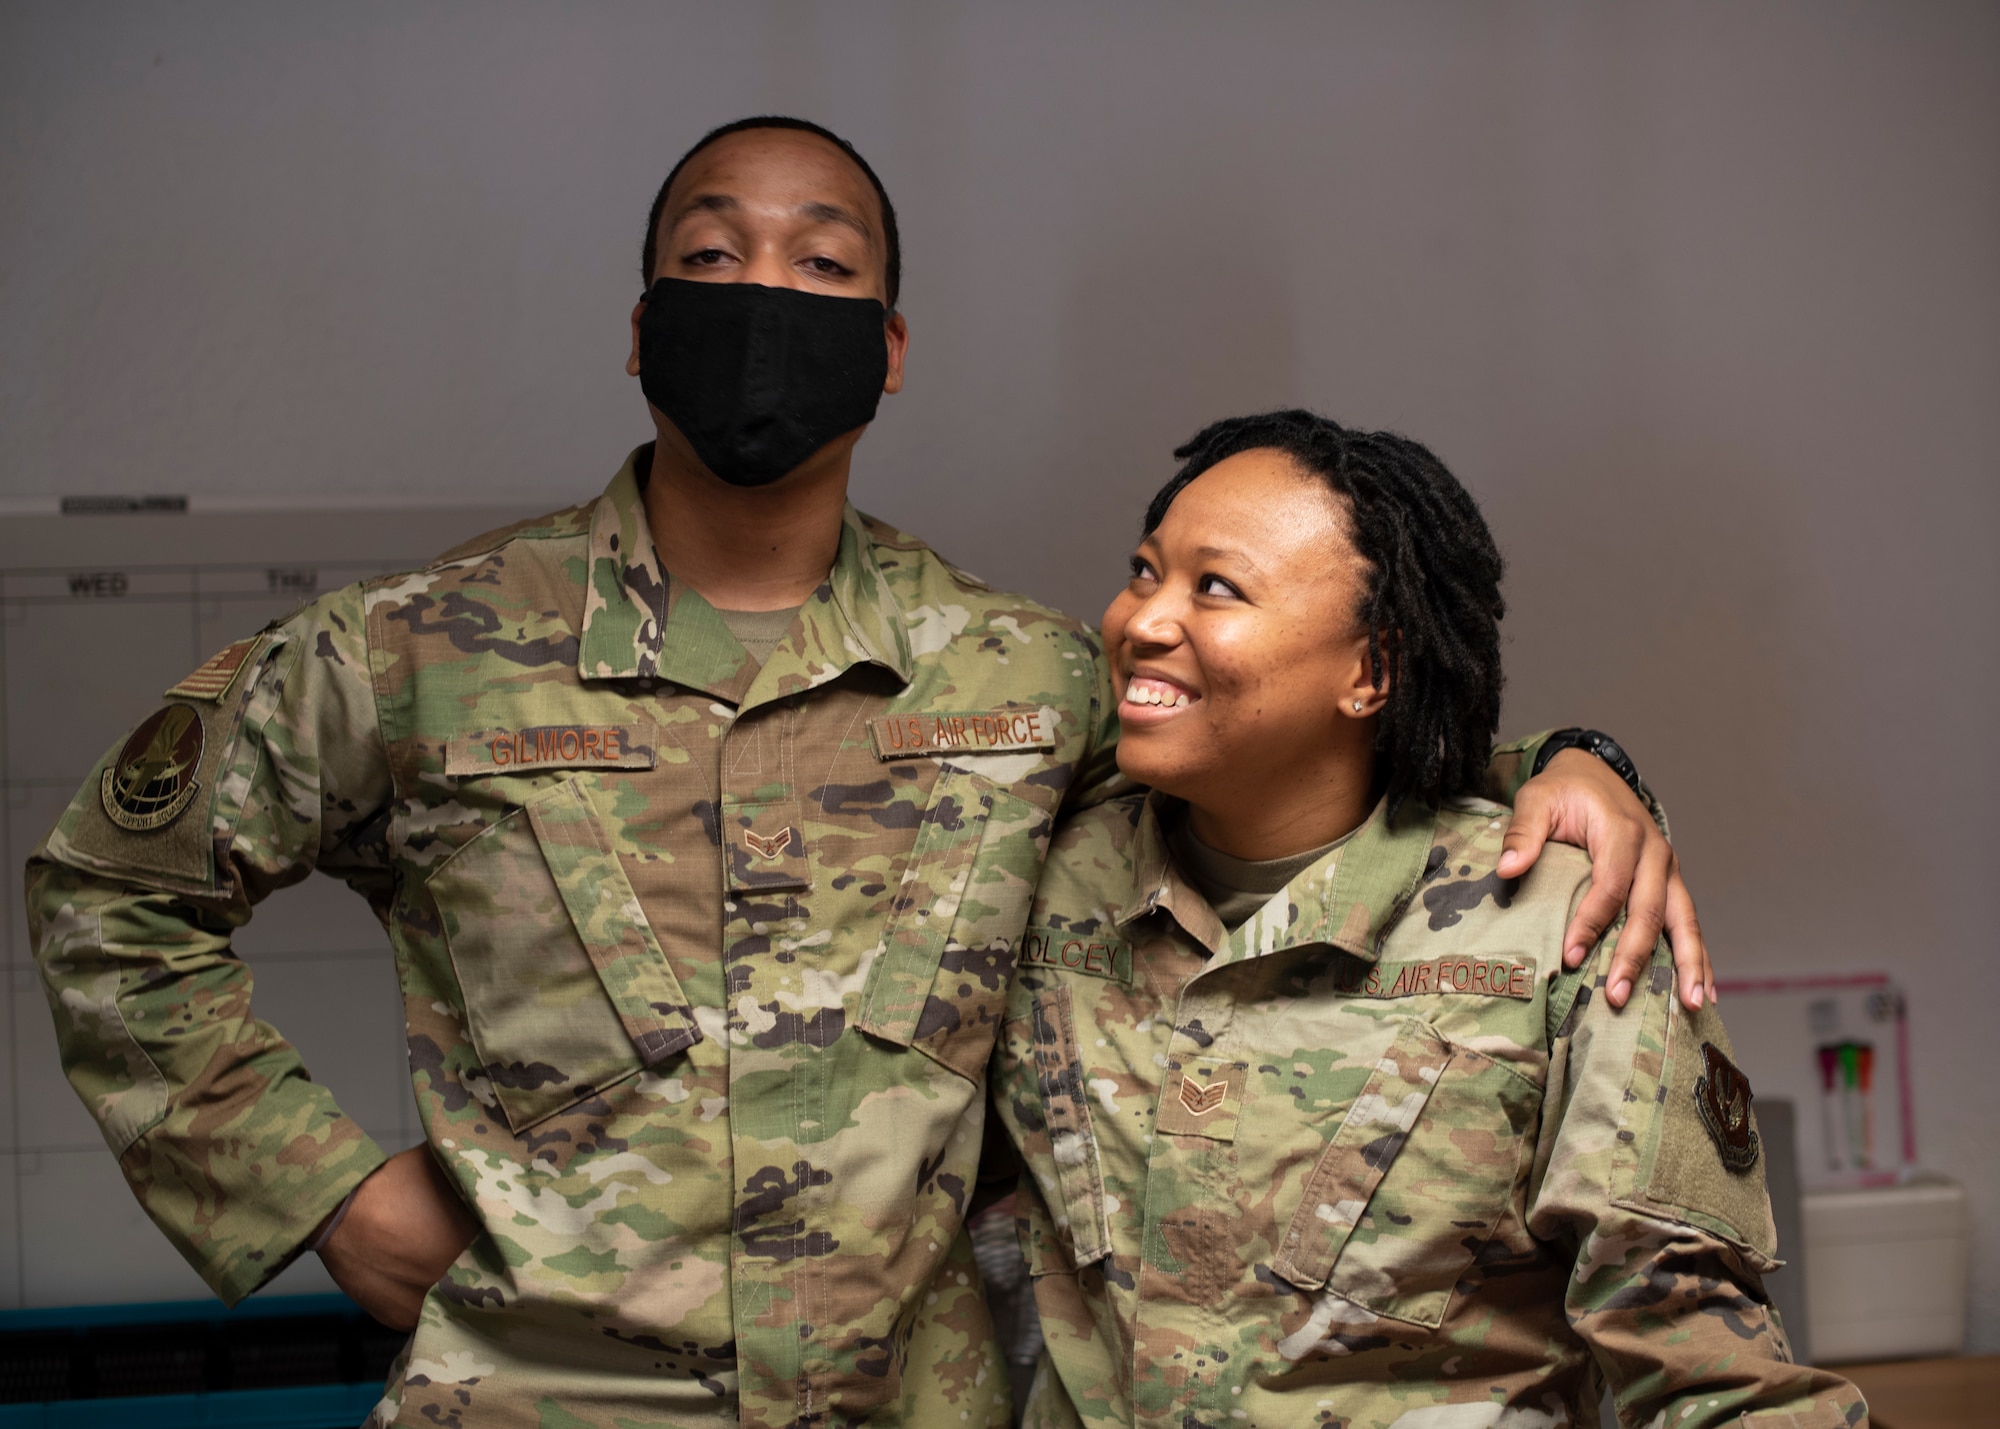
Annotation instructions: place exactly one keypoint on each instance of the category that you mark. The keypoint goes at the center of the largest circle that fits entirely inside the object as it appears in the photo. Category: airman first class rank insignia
(152, 779)
(212, 679)
(963, 732)
(1722, 1096)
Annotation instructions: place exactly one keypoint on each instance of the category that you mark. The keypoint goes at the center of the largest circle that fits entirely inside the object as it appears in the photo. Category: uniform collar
(637, 622)
(1348, 899)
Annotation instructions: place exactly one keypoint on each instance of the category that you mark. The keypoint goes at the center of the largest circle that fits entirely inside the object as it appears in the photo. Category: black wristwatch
(1590, 741)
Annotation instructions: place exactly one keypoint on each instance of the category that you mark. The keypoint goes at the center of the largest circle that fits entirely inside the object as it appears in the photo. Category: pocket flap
(1360, 1154)
(899, 985)
(642, 987)
(1072, 1139)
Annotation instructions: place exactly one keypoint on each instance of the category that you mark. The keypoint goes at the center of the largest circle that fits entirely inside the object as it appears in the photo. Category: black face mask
(758, 379)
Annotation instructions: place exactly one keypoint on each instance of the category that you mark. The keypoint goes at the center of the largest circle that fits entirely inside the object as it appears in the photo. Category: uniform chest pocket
(940, 982)
(1415, 1180)
(566, 989)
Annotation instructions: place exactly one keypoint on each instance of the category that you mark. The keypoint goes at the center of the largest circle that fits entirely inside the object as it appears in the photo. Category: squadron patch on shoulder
(152, 779)
(1722, 1096)
(213, 677)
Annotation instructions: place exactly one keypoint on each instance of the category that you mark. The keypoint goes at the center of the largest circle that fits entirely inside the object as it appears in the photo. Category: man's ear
(895, 332)
(632, 362)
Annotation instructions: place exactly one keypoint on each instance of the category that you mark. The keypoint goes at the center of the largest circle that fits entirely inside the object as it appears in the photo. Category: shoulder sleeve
(1513, 764)
(241, 783)
(1649, 1171)
(1097, 777)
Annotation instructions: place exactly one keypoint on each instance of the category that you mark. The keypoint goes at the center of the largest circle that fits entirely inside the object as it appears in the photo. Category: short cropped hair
(892, 241)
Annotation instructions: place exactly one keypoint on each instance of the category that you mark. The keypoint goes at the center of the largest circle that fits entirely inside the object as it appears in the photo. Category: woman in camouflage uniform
(1320, 1127)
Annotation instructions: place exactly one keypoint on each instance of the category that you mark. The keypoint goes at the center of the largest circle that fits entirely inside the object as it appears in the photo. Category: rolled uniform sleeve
(1670, 1222)
(231, 1148)
(1513, 764)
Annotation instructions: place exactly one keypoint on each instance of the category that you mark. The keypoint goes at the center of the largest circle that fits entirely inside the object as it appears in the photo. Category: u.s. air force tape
(1480, 977)
(1007, 731)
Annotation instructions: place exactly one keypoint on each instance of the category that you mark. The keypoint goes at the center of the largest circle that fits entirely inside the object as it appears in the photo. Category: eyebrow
(1227, 552)
(818, 212)
(705, 203)
(834, 213)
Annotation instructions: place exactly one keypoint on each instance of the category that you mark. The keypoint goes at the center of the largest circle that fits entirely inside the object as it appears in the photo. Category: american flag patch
(213, 677)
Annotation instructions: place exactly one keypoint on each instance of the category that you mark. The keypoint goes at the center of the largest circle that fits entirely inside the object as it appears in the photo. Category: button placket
(762, 825)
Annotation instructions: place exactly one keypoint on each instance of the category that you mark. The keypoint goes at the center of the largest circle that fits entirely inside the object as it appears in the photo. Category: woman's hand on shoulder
(1578, 799)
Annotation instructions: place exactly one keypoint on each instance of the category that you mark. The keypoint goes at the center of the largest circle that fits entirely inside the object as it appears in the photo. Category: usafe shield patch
(1477, 977)
(1015, 731)
(1067, 951)
(152, 779)
(213, 677)
(552, 746)
(1722, 1096)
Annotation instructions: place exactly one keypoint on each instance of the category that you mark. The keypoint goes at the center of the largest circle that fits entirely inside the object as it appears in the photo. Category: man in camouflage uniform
(1374, 1158)
(703, 945)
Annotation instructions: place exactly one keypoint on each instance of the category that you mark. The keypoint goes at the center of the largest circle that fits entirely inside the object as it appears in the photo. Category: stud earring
(1357, 707)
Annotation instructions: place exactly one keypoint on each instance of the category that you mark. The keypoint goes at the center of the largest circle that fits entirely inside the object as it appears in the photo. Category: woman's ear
(1360, 696)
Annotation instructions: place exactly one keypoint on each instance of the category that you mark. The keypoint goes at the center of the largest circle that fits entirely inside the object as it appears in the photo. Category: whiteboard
(99, 613)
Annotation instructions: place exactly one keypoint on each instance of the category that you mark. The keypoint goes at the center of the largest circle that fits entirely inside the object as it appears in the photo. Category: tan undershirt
(1237, 887)
(759, 631)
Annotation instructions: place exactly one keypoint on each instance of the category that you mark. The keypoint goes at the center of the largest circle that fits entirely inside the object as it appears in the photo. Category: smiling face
(1239, 659)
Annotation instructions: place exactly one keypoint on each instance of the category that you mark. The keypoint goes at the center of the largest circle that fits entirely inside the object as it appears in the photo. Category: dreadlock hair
(892, 241)
(1431, 598)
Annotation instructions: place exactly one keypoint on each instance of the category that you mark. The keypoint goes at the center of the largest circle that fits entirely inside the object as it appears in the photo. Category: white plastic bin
(1886, 1270)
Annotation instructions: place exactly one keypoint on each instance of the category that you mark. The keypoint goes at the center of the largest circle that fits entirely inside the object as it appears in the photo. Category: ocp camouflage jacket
(1374, 1158)
(702, 961)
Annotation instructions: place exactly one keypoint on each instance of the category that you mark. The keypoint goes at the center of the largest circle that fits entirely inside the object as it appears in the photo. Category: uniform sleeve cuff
(243, 1273)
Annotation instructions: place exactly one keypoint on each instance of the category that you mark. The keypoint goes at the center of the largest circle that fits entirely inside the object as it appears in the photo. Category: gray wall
(1703, 301)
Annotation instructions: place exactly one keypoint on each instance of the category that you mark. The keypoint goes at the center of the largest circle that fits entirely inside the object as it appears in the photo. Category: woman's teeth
(1154, 692)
